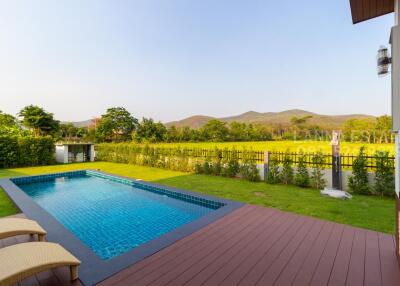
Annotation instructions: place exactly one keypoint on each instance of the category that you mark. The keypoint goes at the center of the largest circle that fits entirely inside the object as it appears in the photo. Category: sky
(169, 59)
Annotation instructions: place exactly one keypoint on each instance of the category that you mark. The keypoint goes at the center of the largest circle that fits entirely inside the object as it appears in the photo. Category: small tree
(287, 170)
(302, 177)
(274, 175)
(358, 182)
(384, 175)
(317, 176)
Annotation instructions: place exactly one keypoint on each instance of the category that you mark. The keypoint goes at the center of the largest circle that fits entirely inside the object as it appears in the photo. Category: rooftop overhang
(362, 10)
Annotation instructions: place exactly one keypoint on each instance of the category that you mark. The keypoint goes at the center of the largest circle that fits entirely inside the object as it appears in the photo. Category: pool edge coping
(93, 269)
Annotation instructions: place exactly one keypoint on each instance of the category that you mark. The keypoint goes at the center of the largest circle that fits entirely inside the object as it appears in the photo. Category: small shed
(74, 152)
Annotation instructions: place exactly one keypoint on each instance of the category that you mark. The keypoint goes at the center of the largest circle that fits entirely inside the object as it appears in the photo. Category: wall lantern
(383, 61)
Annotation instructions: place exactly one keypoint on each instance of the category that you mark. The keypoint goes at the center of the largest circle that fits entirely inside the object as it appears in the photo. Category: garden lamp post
(362, 10)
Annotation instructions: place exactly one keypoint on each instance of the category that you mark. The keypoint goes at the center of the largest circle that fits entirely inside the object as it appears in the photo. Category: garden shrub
(358, 182)
(26, 151)
(231, 165)
(207, 167)
(248, 168)
(274, 174)
(302, 177)
(198, 167)
(384, 174)
(317, 177)
(287, 170)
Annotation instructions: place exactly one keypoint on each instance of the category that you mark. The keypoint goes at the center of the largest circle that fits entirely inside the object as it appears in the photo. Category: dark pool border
(94, 270)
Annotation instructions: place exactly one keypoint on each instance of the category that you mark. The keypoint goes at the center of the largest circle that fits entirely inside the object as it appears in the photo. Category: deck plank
(306, 271)
(355, 275)
(324, 268)
(389, 269)
(185, 260)
(288, 274)
(256, 245)
(207, 232)
(372, 276)
(342, 260)
(206, 268)
(229, 265)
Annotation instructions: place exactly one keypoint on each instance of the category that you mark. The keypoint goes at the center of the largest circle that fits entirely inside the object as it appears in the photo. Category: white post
(395, 43)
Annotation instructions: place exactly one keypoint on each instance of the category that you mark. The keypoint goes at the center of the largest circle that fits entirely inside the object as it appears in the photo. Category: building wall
(60, 154)
(398, 228)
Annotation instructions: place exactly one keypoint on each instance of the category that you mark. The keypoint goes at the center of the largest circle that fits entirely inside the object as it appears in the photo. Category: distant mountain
(195, 121)
(264, 118)
(79, 124)
(272, 118)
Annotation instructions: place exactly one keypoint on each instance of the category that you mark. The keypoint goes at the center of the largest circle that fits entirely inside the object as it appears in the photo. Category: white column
(396, 91)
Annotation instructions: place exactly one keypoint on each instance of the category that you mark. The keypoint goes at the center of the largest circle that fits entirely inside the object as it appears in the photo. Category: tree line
(118, 125)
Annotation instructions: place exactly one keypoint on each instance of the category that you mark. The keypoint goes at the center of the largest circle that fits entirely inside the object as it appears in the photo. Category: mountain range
(263, 118)
(272, 118)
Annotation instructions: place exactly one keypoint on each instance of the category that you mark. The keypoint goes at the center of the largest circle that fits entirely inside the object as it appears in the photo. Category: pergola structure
(362, 10)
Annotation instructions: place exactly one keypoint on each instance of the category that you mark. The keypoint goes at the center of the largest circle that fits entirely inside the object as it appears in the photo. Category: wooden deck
(261, 246)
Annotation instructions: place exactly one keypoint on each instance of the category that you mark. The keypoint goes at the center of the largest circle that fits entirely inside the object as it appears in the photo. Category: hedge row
(26, 151)
(219, 162)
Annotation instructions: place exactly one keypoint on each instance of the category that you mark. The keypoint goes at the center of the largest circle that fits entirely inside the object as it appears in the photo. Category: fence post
(266, 164)
(336, 164)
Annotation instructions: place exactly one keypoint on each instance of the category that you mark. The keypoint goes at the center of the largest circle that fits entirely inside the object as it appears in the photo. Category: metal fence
(346, 160)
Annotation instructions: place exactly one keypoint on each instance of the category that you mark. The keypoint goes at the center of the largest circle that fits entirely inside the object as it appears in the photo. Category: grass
(295, 146)
(373, 213)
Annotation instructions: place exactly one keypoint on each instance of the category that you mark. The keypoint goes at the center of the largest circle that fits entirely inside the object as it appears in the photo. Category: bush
(231, 165)
(26, 151)
(250, 172)
(302, 177)
(274, 175)
(287, 170)
(317, 176)
(384, 175)
(358, 182)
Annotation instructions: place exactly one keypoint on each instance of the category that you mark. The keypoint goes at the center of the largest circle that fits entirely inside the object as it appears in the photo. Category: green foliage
(215, 130)
(26, 151)
(274, 174)
(287, 170)
(302, 178)
(317, 177)
(149, 131)
(231, 165)
(248, 169)
(116, 124)
(39, 121)
(358, 182)
(384, 174)
(180, 159)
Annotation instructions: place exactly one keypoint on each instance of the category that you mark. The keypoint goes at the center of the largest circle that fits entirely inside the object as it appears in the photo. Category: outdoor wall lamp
(383, 61)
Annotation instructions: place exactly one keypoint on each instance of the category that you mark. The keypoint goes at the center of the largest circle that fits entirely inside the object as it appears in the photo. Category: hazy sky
(169, 59)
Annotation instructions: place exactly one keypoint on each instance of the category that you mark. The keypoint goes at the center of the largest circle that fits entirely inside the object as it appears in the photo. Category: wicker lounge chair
(23, 260)
(16, 226)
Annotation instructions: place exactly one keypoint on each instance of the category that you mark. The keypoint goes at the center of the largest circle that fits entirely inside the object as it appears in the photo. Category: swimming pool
(112, 216)
(111, 222)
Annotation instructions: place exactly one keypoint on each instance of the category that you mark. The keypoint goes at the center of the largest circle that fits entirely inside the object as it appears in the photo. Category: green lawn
(367, 212)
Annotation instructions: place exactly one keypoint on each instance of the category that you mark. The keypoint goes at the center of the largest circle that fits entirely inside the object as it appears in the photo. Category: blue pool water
(111, 217)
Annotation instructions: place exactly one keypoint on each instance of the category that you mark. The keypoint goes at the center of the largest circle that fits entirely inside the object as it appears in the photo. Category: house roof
(362, 10)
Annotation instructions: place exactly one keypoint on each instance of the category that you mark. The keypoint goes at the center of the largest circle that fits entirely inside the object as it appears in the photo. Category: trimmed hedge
(219, 162)
(26, 151)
